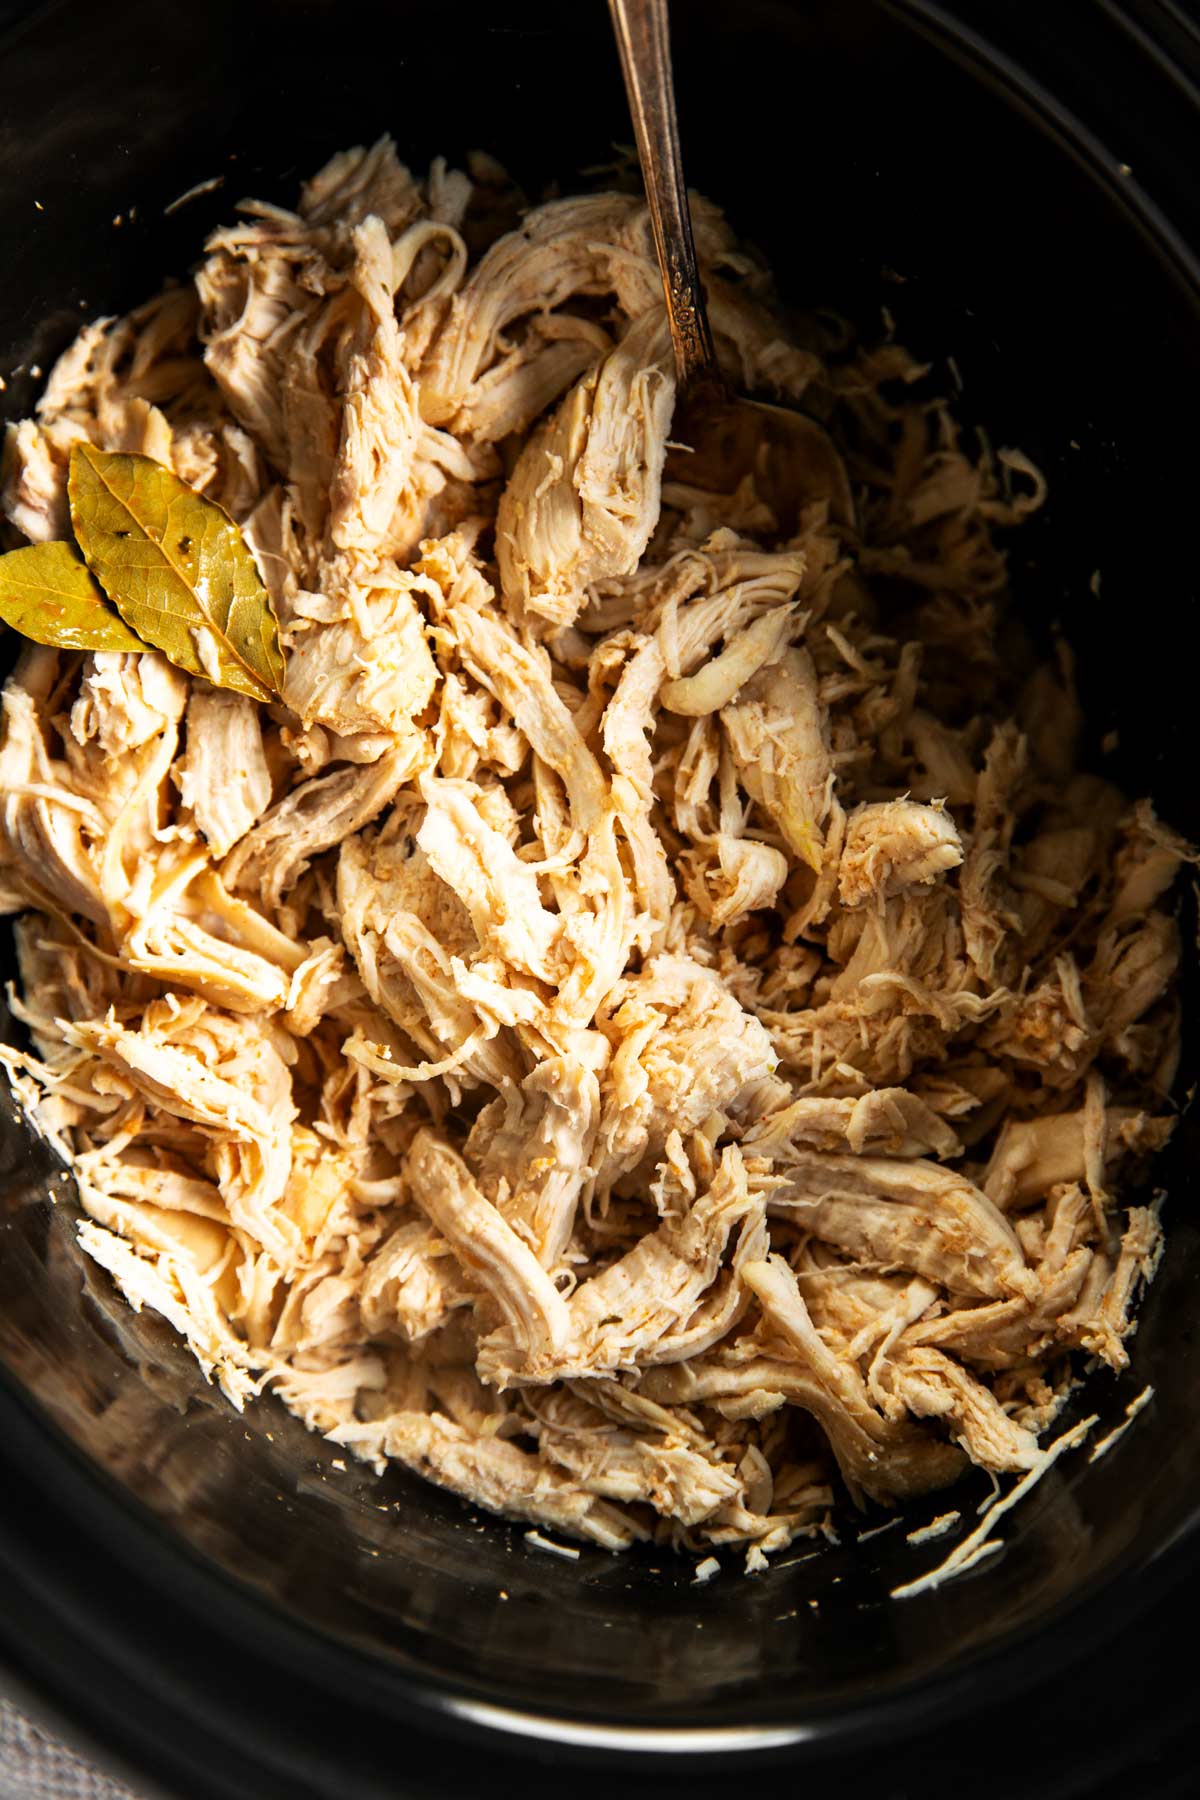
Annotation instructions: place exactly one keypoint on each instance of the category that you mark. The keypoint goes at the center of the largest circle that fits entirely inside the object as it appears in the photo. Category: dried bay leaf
(177, 569)
(48, 594)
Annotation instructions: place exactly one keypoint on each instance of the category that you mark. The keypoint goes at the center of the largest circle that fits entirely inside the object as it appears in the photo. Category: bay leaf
(48, 594)
(177, 569)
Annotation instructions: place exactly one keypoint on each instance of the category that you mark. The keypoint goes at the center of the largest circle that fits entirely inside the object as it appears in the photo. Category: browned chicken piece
(411, 1284)
(583, 500)
(227, 1079)
(620, 1465)
(403, 927)
(877, 1456)
(224, 778)
(33, 484)
(628, 730)
(1033, 1156)
(618, 1319)
(931, 1385)
(883, 1121)
(622, 1447)
(892, 845)
(259, 288)
(314, 817)
(569, 249)
(532, 1150)
(723, 677)
(778, 734)
(488, 1249)
(682, 1050)
(358, 661)
(380, 424)
(491, 1473)
(907, 1214)
(51, 827)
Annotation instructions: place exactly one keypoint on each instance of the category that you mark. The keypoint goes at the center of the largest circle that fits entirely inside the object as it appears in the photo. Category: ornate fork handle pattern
(645, 49)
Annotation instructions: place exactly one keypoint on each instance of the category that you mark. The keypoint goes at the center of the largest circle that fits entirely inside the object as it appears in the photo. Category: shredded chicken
(612, 1038)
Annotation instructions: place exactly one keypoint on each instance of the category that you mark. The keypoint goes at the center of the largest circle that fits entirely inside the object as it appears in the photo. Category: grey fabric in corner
(35, 1767)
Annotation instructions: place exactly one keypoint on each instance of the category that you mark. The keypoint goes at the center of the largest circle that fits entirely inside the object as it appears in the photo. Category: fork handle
(643, 41)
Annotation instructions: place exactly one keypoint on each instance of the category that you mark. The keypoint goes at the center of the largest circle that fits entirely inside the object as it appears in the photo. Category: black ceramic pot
(213, 1594)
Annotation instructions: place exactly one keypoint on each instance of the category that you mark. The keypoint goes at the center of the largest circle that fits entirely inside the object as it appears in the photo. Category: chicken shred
(610, 1039)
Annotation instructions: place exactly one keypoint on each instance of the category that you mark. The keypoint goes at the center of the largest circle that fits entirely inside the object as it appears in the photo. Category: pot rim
(1012, 1662)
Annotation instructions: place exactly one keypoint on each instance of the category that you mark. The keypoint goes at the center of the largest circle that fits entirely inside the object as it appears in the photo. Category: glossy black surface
(252, 1592)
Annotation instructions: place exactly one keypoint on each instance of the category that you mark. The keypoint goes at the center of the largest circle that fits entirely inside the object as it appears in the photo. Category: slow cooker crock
(214, 1592)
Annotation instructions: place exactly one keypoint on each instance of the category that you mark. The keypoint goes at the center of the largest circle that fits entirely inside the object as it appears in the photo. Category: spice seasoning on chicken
(652, 1028)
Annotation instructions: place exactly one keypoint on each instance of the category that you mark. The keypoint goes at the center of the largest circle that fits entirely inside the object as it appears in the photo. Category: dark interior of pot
(871, 168)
